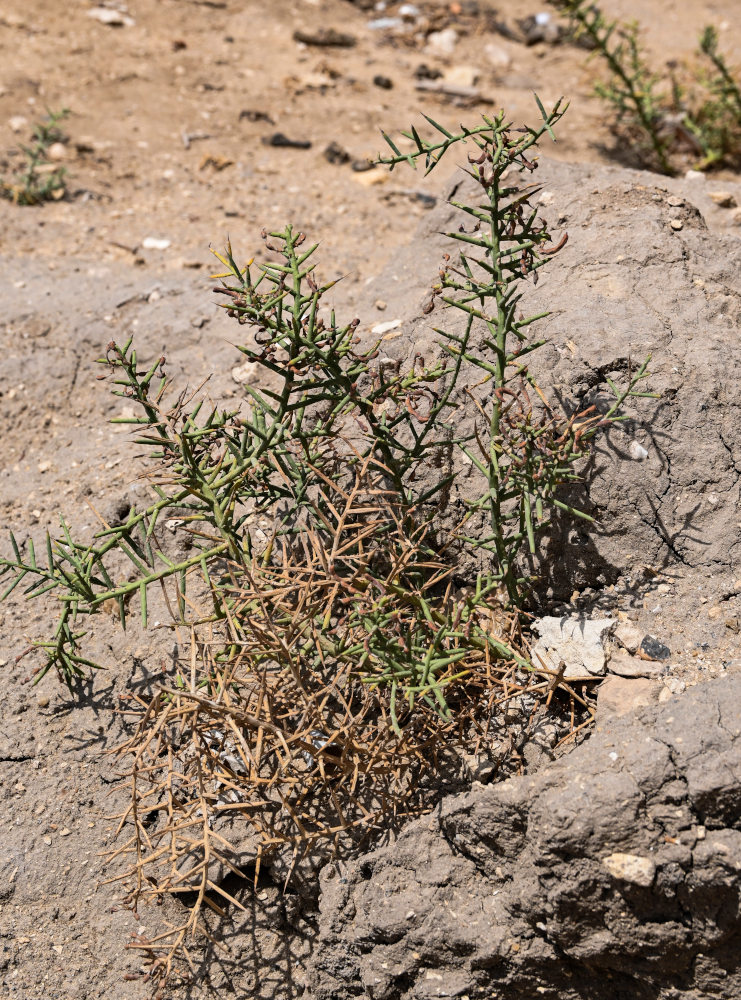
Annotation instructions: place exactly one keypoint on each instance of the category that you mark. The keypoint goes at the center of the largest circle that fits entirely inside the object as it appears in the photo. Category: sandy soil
(169, 120)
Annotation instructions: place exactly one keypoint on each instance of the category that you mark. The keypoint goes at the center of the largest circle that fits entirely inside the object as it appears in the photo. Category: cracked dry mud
(76, 273)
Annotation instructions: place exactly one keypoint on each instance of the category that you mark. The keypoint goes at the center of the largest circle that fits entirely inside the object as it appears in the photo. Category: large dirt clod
(613, 874)
(641, 275)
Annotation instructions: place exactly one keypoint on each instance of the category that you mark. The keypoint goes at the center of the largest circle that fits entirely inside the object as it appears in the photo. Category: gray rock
(613, 873)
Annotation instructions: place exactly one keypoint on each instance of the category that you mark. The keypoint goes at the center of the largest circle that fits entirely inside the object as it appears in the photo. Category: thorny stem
(526, 459)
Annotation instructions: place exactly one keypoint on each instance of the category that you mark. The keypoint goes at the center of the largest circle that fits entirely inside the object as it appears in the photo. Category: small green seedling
(38, 180)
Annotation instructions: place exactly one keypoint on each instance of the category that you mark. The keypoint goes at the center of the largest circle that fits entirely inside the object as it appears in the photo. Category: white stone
(442, 43)
(152, 243)
(244, 373)
(380, 328)
(497, 56)
(113, 18)
(461, 76)
(57, 151)
(637, 452)
(579, 642)
(628, 636)
(625, 665)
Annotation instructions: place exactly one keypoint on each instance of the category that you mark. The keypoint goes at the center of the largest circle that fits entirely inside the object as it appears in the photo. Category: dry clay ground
(168, 120)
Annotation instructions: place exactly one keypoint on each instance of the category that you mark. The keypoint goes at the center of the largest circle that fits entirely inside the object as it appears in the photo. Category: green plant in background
(655, 112)
(715, 120)
(632, 87)
(39, 179)
(724, 85)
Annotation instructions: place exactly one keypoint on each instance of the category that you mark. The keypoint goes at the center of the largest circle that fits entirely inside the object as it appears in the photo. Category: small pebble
(674, 685)
(43, 701)
(57, 151)
(369, 178)
(461, 76)
(384, 82)
(244, 373)
(152, 243)
(497, 56)
(380, 328)
(676, 224)
(654, 649)
(442, 43)
(384, 23)
(380, 305)
(113, 18)
(723, 199)
(675, 201)
(336, 155)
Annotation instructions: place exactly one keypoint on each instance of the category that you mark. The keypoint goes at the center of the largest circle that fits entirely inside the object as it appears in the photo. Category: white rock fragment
(628, 636)
(631, 868)
(152, 243)
(384, 23)
(380, 328)
(244, 373)
(723, 199)
(637, 452)
(579, 642)
(441, 43)
(57, 151)
(113, 18)
(369, 178)
(674, 685)
(461, 76)
(17, 123)
(625, 665)
(497, 56)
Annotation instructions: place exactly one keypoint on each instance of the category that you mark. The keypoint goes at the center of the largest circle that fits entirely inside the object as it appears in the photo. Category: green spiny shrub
(661, 113)
(38, 180)
(334, 668)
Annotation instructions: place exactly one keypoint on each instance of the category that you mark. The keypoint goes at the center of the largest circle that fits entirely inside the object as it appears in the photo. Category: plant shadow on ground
(263, 948)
